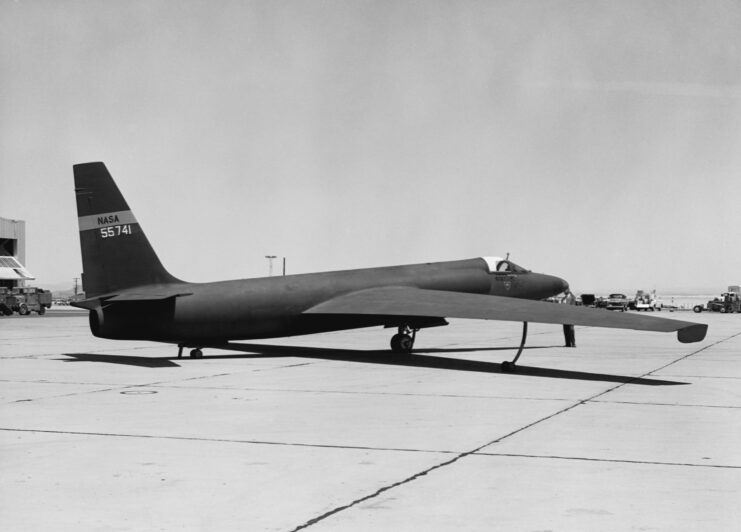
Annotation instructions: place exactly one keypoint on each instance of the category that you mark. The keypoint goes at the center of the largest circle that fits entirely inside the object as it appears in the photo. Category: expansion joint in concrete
(446, 463)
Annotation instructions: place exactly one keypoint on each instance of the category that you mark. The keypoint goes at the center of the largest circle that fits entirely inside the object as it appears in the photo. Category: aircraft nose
(556, 285)
(563, 284)
(544, 285)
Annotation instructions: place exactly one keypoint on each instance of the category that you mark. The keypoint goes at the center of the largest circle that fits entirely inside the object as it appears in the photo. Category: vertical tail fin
(115, 251)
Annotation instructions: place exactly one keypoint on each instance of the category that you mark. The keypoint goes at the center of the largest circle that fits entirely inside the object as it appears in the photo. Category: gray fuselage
(274, 306)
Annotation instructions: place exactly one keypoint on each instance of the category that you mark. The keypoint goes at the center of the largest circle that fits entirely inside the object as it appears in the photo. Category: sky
(595, 140)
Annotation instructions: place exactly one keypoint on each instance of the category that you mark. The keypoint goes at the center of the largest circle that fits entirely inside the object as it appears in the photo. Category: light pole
(270, 262)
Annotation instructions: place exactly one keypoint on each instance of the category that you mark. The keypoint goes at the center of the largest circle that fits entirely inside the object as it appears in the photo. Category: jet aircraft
(131, 296)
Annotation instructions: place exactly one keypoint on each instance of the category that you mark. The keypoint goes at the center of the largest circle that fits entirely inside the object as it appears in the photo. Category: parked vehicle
(728, 302)
(30, 299)
(617, 302)
(7, 301)
(644, 301)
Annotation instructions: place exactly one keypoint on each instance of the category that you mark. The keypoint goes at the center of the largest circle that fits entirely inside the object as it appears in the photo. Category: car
(617, 302)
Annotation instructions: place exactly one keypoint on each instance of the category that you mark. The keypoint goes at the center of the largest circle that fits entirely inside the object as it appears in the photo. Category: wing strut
(508, 366)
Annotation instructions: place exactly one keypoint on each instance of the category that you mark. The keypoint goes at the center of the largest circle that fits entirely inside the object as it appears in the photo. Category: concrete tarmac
(629, 431)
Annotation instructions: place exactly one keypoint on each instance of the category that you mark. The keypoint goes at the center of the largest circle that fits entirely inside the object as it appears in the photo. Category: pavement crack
(379, 491)
(422, 473)
(680, 359)
(681, 405)
(460, 456)
(282, 367)
(59, 396)
(228, 440)
(609, 460)
(364, 392)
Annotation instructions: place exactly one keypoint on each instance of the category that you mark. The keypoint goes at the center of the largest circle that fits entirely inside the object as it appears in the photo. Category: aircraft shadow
(420, 359)
(435, 362)
(474, 349)
(127, 360)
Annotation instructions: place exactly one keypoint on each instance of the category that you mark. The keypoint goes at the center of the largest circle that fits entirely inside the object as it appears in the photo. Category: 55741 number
(116, 230)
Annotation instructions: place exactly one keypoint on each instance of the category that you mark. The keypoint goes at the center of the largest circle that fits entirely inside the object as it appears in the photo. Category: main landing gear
(403, 341)
(194, 353)
(509, 367)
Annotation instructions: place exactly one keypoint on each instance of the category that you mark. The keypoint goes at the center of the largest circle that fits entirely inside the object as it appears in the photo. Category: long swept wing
(409, 301)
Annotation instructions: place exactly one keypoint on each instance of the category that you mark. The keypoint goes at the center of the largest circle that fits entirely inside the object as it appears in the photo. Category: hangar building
(13, 253)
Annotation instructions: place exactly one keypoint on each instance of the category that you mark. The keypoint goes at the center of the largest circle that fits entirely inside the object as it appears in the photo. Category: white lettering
(115, 230)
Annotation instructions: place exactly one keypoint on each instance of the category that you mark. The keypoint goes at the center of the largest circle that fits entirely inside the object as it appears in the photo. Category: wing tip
(692, 333)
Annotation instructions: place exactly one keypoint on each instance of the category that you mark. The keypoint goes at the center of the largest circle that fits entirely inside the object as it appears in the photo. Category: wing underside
(409, 301)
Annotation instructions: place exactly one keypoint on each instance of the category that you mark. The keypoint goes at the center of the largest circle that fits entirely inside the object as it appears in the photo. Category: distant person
(568, 330)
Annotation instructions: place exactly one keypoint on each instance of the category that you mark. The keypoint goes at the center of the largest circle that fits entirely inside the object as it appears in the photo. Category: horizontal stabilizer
(410, 301)
(88, 304)
(128, 296)
(144, 296)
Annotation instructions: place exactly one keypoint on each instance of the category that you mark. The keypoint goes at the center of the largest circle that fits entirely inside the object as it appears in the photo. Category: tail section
(115, 251)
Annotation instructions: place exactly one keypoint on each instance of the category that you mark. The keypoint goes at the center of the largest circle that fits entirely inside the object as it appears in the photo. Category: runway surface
(629, 431)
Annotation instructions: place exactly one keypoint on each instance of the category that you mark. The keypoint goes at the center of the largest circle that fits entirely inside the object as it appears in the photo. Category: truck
(728, 302)
(644, 301)
(30, 299)
(7, 301)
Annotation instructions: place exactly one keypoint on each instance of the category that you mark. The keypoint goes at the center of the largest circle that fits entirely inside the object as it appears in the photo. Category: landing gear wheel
(508, 367)
(402, 343)
(395, 344)
(196, 353)
(406, 343)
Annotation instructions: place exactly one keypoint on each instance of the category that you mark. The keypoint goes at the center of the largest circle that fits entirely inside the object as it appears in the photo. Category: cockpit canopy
(500, 265)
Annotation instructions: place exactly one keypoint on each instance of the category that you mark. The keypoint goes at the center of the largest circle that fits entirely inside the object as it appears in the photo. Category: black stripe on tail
(115, 251)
